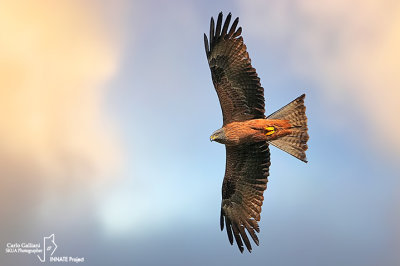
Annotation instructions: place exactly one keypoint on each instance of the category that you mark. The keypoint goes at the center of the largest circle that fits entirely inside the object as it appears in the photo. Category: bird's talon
(271, 130)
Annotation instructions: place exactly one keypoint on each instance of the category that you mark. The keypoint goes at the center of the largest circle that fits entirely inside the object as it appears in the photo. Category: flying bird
(246, 131)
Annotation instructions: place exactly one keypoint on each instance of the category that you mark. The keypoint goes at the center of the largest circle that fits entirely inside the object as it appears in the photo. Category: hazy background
(106, 108)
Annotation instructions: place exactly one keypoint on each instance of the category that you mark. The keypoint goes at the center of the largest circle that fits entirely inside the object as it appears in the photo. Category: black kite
(246, 131)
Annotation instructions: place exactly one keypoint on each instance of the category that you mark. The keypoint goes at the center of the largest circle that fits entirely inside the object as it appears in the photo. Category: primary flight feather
(246, 131)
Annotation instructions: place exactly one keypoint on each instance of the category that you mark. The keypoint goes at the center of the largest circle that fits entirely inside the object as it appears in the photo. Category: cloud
(156, 108)
(56, 58)
(349, 50)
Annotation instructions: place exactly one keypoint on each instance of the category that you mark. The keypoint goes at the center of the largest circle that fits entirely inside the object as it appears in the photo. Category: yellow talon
(271, 130)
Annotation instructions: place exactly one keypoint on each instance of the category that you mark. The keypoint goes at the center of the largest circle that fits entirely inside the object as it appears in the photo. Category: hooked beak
(212, 138)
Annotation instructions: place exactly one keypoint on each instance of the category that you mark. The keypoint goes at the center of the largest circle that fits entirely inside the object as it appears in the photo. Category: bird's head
(218, 136)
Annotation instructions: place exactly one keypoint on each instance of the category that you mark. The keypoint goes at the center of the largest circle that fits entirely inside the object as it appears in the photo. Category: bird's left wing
(246, 177)
(235, 80)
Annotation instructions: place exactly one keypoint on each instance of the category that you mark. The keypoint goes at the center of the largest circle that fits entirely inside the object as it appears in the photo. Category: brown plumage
(246, 132)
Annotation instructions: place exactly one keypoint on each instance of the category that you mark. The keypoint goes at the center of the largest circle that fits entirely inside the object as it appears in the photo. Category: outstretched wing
(235, 80)
(246, 177)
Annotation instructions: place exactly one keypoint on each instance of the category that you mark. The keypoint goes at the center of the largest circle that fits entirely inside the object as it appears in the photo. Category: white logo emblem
(44, 253)
(49, 246)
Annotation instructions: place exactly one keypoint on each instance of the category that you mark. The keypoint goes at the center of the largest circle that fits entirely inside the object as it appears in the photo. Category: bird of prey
(246, 131)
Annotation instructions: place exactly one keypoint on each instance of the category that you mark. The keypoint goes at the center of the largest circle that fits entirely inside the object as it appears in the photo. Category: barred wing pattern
(235, 80)
(246, 177)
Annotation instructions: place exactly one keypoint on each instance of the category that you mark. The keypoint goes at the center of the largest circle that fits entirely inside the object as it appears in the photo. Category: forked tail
(296, 142)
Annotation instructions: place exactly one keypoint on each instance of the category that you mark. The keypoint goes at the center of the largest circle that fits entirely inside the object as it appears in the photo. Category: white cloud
(55, 60)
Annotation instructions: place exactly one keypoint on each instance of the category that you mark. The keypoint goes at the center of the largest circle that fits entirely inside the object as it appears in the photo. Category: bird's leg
(270, 131)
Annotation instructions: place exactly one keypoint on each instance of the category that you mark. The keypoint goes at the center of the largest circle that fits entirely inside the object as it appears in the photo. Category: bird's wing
(246, 177)
(235, 80)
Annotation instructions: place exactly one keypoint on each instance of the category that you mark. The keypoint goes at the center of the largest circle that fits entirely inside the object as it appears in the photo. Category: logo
(44, 253)
(49, 246)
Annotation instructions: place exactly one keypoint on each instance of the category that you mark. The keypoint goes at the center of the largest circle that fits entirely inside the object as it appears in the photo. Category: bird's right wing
(246, 177)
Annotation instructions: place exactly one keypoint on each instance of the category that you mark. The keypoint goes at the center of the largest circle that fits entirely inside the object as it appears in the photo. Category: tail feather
(296, 142)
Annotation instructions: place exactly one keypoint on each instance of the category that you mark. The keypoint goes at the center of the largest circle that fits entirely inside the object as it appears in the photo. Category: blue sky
(142, 184)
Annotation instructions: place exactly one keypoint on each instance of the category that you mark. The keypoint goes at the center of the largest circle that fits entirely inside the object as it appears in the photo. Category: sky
(106, 108)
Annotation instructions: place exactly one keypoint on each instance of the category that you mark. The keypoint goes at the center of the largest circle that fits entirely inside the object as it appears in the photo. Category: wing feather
(237, 33)
(237, 236)
(229, 230)
(226, 24)
(206, 44)
(219, 22)
(246, 177)
(212, 32)
(234, 25)
(235, 80)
